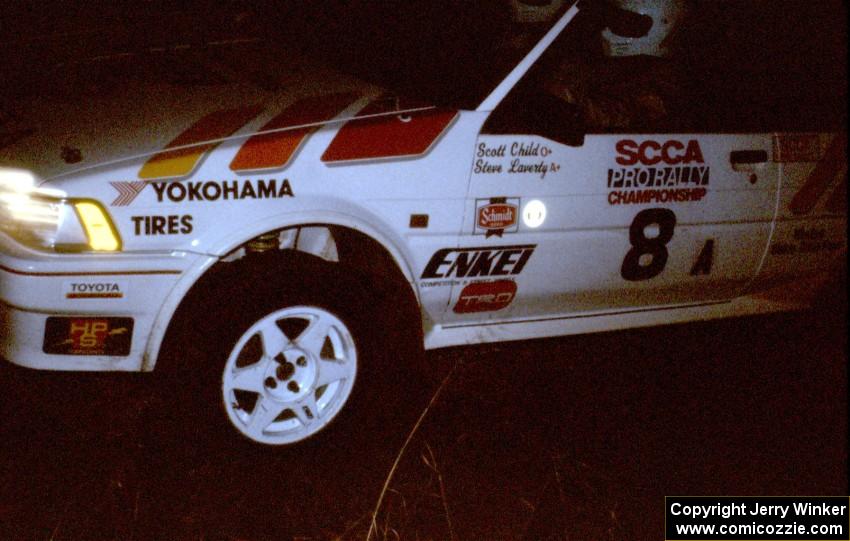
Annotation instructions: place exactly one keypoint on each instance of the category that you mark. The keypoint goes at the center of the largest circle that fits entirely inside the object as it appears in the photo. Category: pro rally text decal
(657, 172)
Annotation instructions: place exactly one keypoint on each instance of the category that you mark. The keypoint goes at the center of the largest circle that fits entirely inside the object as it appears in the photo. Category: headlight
(46, 219)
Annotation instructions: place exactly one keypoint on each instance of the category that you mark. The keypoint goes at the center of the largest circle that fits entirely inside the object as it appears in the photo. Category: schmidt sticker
(94, 289)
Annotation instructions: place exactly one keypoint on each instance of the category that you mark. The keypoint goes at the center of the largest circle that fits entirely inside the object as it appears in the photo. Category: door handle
(747, 157)
(748, 161)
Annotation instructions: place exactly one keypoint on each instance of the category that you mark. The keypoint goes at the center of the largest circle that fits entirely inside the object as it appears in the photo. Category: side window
(709, 66)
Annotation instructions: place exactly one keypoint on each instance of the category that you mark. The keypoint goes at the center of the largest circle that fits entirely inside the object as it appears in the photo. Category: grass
(575, 438)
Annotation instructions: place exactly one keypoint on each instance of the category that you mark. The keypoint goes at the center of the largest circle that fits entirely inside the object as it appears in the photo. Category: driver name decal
(514, 158)
(657, 172)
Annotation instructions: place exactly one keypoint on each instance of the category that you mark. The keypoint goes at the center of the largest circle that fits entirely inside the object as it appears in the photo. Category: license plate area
(88, 336)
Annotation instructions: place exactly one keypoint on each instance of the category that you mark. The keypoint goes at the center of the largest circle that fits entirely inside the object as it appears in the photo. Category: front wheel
(289, 347)
(289, 375)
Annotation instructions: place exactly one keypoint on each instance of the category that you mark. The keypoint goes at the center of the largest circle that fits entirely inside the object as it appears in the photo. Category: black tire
(379, 317)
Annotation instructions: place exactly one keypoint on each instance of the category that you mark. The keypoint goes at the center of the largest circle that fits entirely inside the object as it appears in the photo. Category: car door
(631, 220)
(645, 217)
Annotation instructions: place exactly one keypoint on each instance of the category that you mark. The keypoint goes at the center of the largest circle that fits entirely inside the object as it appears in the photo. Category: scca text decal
(162, 225)
(478, 262)
(178, 192)
(654, 172)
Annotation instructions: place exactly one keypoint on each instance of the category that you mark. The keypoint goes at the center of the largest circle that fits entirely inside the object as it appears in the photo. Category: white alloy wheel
(289, 375)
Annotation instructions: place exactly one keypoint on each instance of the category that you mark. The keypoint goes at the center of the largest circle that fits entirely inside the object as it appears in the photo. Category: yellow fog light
(99, 229)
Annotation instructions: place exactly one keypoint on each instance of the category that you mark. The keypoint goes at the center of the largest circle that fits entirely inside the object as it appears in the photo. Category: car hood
(103, 120)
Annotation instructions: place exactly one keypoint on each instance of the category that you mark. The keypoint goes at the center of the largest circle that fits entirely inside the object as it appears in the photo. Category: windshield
(443, 52)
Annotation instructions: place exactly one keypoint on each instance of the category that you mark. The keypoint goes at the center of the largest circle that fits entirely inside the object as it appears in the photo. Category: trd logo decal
(485, 297)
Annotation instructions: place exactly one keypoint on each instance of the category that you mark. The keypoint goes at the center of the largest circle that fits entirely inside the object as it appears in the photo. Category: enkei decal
(654, 172)
(88, 336)
(183, 154)
(86, 289)
(515, 158)
(162, 225)
(485, 297)
(178, 192)
(805, 241)
(496, 216)
(477, 262)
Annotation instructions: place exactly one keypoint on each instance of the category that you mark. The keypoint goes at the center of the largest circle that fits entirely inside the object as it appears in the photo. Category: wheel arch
(356, 242)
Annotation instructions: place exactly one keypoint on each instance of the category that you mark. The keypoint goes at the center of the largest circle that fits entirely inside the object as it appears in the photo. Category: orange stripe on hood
(182, 161)
(274, 150)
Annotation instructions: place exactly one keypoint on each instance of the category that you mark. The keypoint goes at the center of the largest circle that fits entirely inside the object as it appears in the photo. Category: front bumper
(89, 289)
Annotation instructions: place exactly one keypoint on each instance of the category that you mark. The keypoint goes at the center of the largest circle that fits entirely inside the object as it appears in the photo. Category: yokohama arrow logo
(127, 191)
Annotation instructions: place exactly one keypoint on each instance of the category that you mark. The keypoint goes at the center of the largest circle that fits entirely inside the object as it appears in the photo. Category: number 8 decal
(656, 247)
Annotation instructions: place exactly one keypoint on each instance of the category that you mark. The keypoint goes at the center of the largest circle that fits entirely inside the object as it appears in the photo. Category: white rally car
(288, 237)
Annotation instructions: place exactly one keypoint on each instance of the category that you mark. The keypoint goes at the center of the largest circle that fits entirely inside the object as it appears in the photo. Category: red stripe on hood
(389, 136)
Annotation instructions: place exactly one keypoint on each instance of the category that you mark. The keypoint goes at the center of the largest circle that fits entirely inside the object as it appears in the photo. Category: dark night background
(569, 438)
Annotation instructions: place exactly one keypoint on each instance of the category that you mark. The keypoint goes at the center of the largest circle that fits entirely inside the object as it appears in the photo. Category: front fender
(343, 215)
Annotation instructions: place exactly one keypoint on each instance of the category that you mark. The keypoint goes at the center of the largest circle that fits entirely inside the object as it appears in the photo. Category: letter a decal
(704, 259)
